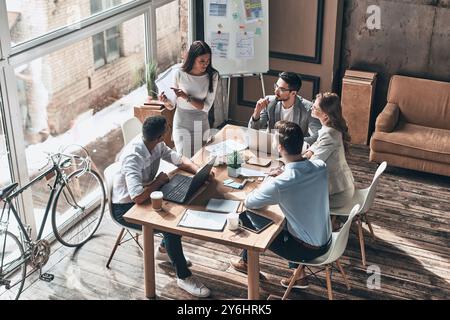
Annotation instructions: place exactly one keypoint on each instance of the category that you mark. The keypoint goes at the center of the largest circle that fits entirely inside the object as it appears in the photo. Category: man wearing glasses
(286, 105)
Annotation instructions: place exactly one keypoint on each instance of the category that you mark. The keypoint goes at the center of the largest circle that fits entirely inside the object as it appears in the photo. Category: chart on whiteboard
(245, 47)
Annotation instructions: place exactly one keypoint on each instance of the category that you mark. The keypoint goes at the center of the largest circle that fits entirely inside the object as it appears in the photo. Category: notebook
(203, 220)
(222, 205)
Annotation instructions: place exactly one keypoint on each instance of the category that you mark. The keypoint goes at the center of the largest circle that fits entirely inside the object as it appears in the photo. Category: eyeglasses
(276, 87)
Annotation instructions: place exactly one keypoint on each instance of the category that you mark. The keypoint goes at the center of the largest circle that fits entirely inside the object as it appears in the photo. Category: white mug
(233, 221)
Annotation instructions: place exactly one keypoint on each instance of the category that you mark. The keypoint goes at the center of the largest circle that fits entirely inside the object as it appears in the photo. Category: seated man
(301, 191)
(136, 180)
(286, 105)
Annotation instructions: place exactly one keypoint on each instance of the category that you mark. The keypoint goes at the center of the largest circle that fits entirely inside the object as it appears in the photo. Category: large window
(29, 19)
(76, 83)
(68, 101)
(106, 44)
(5, 172)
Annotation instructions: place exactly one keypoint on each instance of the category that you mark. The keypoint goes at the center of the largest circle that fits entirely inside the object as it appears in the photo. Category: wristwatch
(189, 98)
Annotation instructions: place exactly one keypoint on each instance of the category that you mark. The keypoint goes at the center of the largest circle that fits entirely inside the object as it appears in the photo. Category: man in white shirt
(136, 180)
(286, 105)
(301, 191)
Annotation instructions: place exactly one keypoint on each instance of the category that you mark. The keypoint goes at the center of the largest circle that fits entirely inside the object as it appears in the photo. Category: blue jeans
(171, 242)
(289, 248)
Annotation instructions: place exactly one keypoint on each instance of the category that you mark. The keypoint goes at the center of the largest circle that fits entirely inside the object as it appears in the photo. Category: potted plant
(152, 90)
(234, 161)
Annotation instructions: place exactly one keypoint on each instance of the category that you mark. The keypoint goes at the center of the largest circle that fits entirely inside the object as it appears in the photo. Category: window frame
(11, 57)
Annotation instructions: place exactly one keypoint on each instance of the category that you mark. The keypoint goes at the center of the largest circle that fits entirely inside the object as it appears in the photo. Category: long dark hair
(330, 104)
(199, 48)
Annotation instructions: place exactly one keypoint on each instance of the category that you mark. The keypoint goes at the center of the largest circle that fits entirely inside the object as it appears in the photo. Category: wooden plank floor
(411, 223)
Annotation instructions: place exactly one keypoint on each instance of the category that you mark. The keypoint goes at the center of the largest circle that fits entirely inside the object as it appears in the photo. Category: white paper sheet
(218, 8)
(226, 147)
(219, 44)
(245, 172)
(245, 45)
(166, 80)
(203, 220)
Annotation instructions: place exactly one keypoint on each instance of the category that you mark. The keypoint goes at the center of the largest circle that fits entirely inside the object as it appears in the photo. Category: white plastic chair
(109, 174)
(338, 244)
(363, 197)
(130, 129)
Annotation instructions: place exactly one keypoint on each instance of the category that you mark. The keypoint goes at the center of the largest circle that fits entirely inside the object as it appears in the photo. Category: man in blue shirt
(301, 191)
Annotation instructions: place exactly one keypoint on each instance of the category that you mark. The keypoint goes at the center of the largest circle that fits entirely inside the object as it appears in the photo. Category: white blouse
(197, 87)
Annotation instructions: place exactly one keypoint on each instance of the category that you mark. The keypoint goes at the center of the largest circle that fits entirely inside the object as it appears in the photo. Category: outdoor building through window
(106, 44)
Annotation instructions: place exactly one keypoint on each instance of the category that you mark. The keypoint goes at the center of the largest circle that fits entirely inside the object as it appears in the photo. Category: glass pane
(5, 172)
(30, 19)
(171, 33)
(98, 44)
(112, 44)
(66, 100)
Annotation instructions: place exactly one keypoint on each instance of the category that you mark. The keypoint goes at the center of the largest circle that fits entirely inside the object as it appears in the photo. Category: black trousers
(171, 242)
(286, 246)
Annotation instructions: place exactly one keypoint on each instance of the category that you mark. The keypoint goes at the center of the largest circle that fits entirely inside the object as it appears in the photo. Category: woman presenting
(195, 88)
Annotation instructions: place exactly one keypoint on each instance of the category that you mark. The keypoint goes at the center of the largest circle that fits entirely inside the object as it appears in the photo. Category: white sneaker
(163, 256)
(194, 287)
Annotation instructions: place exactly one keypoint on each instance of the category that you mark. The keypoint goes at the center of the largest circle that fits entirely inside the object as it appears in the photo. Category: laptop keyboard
(178, 192)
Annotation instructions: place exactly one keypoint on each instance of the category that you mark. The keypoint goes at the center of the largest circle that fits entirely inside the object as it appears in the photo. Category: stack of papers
(222, 205)
(203, 220)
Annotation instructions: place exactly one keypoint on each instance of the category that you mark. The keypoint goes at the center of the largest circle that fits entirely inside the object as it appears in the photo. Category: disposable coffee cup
(233, 221)
(157, 199)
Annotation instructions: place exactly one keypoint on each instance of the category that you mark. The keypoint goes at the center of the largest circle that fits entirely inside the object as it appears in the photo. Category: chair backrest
(130, 129)
(109, 174)
(372, 188)
(340, 238)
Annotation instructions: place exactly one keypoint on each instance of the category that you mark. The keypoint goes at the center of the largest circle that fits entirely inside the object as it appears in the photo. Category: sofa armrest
(388, 118)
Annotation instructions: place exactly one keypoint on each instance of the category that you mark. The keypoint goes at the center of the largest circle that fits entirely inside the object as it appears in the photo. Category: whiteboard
(238, 37)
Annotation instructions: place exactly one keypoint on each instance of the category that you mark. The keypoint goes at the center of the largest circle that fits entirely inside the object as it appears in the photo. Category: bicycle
(72, 228)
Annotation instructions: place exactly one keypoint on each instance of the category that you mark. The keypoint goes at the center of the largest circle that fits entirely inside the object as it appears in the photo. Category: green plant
(234, 160)
(150, 77)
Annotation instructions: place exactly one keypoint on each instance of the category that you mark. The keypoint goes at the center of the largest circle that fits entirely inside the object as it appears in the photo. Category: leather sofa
(413, 130)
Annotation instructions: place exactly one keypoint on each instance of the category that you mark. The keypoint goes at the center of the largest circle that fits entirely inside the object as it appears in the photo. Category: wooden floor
(411, 218)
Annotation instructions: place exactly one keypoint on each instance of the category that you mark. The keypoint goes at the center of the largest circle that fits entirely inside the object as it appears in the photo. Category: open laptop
(180, 188)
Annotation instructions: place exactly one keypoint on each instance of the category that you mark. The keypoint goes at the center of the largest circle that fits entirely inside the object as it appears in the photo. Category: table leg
(149, 262)
(253, 274)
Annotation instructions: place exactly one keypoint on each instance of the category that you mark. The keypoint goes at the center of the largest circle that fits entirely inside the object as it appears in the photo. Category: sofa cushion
(421, 101)
(414, 141)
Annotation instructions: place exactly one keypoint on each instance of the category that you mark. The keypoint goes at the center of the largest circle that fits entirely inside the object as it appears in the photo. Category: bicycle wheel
(78, 208)
(13, 270)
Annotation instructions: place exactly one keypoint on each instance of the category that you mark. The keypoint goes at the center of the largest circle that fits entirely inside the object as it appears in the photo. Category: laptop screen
(200, 177)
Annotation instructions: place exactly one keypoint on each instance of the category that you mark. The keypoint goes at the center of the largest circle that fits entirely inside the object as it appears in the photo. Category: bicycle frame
(55, 167)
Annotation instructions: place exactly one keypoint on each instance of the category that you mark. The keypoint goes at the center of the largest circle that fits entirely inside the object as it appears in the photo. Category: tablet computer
(253, 222)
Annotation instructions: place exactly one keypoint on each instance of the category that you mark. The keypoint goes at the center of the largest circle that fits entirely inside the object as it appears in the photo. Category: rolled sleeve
(266, 195)
(170, 155)
(132, 170)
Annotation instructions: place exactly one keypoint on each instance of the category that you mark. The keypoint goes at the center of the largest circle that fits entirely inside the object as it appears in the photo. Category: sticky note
(258, 31)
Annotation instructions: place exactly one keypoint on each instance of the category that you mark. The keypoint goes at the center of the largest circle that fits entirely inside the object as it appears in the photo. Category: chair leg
(291, 284)
(361, 240)
(343, 274)
(119, 238)
(370, 226)
(329, 289)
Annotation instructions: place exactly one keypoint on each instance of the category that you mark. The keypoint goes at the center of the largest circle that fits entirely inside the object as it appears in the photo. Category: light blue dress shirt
(301, 191)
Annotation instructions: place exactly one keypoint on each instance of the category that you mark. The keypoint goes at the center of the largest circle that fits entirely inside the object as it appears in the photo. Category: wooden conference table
(167, 219)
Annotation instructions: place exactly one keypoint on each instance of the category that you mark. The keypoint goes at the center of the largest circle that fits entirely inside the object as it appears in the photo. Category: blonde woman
(331, 147)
